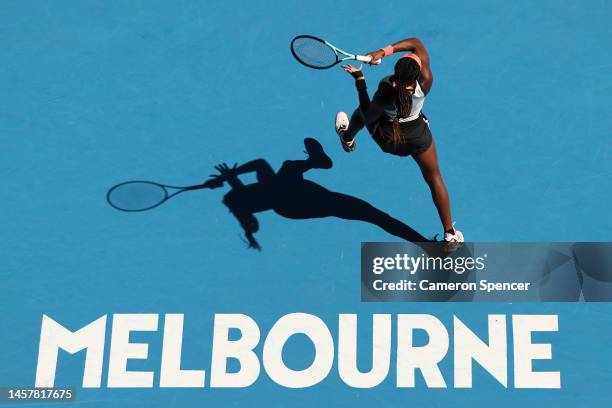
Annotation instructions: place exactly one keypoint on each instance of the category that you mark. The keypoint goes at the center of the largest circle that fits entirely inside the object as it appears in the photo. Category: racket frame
(336, 50)
(164, 187)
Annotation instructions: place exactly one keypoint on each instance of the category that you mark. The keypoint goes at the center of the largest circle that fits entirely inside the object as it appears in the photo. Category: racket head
(314, 52)
(137, 195)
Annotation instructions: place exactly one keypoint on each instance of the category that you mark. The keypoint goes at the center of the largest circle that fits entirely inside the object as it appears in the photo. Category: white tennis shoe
(342, 124)
(455, 236)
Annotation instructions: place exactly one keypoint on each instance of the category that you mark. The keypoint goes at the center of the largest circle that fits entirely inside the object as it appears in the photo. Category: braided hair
(406, 73)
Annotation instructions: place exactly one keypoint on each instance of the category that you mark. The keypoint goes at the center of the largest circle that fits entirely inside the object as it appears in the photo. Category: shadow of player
(287, 193)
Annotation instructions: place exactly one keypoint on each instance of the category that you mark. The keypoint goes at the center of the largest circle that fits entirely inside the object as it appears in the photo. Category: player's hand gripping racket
(319, 54)
(133, 196)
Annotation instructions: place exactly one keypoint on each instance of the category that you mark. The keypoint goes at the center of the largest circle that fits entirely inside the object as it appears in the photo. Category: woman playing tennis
(395, 119)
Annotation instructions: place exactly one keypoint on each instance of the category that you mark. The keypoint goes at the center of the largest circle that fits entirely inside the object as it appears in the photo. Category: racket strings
(314, 53)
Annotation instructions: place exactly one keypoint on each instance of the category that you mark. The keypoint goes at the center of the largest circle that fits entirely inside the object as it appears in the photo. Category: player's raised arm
(415, 46)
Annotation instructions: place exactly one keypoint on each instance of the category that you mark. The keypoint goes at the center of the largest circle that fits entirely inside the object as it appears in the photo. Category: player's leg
(348, 129)
(428, 163)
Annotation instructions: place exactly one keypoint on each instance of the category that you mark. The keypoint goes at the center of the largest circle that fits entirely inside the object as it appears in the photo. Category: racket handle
(367, 58)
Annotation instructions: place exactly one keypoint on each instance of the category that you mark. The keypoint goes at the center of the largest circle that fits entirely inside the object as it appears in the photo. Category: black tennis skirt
(415, 136)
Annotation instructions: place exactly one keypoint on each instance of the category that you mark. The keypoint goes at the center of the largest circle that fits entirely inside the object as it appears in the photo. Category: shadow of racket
(139, 195)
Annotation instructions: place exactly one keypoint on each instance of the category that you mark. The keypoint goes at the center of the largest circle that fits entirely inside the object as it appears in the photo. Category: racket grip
(367, 58)
(363, 58)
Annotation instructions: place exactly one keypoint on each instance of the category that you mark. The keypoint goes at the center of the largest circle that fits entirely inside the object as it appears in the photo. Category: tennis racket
(319, 54)
(134, 196)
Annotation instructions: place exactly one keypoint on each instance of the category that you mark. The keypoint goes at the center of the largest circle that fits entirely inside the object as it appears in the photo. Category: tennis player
(395, 120)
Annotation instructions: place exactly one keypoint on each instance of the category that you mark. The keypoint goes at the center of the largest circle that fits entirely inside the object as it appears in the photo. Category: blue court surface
(96, 93)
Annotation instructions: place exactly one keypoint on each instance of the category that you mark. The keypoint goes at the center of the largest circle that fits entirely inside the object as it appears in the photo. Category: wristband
(388, 50)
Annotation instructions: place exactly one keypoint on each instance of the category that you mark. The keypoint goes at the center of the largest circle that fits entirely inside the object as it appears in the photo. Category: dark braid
(406, 74)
